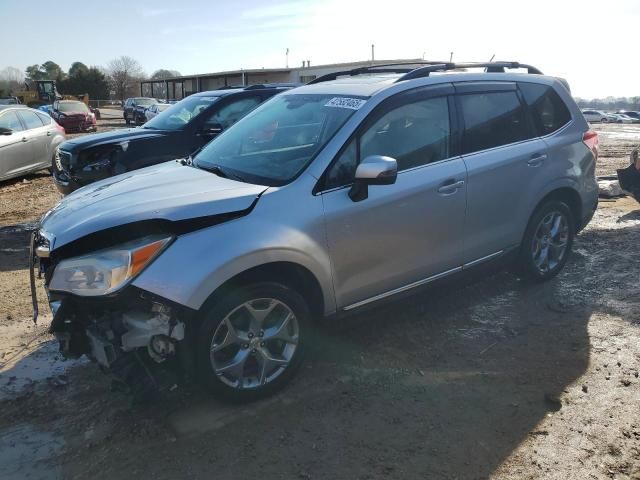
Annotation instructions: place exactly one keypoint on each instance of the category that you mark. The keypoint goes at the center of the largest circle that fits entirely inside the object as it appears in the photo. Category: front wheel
(251, 340)
(126, 119)
(547, 242)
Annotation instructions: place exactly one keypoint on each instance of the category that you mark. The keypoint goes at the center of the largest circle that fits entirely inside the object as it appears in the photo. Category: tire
(604, 120)
(246, 365)
(126, 119)
(530, 265)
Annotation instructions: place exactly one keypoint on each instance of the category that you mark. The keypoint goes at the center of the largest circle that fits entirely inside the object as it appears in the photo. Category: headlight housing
(106, 271)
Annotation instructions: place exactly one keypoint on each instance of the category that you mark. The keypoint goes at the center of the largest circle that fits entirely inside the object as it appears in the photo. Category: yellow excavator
(35, 93)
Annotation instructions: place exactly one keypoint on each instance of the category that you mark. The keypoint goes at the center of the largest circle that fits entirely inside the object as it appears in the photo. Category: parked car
(630, 113)
(326, 199)
(597, 116)
(154, 110)
(9, 101)
(175, 133)
(131, 104)
(73, 116)
(622, 118)
(28, 139)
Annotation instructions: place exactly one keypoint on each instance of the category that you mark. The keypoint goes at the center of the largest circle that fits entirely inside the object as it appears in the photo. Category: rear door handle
(49, 134)
(537, 159)
(450, 187)
(25, 139)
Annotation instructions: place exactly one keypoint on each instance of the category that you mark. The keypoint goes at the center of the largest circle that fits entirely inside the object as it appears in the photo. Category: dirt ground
(491, 379)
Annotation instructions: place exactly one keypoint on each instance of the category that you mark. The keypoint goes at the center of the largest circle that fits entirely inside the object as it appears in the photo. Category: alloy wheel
(254, 343)
(549, 244)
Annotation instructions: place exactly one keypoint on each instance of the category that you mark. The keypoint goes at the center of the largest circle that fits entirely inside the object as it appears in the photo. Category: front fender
(198, 263)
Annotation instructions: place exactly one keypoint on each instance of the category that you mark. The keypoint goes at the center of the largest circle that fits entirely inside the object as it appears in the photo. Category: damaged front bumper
(139, 338)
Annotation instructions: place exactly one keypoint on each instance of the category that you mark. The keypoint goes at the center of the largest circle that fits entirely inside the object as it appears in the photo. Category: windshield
(146, 101)
(275, 142)
(178, 115)
(72, 107)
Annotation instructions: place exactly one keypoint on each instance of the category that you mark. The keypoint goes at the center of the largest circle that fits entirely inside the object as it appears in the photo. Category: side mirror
(5, 131)
(373, 170)
(211, 130)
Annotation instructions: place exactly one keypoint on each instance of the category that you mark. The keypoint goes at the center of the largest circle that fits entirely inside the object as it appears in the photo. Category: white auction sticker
(345, 102)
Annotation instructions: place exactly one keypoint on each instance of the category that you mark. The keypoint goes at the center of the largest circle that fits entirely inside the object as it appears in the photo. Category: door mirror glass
(373, 170)
(5, 131)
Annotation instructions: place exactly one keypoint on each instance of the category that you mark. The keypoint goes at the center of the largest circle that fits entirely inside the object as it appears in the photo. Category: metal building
(176, 88)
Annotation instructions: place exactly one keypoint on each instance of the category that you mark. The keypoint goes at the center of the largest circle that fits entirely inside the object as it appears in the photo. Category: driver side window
(232, 112)
(415, 134)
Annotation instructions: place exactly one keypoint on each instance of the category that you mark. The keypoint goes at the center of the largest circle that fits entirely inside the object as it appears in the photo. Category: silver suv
(328, 198)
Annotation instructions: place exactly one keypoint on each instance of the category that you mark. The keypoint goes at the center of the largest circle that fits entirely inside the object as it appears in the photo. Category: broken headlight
(106, 271)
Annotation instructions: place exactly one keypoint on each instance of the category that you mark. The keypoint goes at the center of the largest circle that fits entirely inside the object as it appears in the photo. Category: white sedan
(594, 116)
(154, 110)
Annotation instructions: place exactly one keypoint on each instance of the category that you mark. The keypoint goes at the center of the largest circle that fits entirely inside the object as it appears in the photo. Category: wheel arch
(569, 196)
(291, 274)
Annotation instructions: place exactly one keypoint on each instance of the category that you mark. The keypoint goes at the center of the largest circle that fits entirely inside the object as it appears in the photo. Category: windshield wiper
(222, 172)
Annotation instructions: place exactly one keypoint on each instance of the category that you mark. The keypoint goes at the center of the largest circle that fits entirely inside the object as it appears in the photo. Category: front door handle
(537, 159)
(25, 139)
(450, 187)
(49, 134)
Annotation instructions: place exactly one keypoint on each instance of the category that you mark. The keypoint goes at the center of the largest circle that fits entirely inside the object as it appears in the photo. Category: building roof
(251, 71)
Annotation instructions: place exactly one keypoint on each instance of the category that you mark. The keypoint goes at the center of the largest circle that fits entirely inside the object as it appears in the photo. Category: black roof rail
(402, 67)
(490, 67)
(423, 71)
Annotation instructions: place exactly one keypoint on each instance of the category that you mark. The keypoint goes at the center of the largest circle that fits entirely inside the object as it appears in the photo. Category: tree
(77, 68)
(10, 80)
(125, 73)
(47, 71)
(83, 79)
(53, 70)
(163, 73)
(35, 72)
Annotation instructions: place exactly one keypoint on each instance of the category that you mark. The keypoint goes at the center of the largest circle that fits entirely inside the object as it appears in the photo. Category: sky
(584, 41)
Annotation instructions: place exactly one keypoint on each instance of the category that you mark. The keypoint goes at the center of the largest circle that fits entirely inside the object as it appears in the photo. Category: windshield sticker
(345, 102)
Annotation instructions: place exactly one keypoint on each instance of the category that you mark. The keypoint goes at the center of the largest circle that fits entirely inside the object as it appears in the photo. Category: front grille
(63, 160)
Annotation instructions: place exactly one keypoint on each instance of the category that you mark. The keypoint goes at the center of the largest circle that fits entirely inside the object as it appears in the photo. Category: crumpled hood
(169, 191)
(114, 136)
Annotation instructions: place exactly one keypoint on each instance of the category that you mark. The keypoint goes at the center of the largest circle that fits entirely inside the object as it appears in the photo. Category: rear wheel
(251, 340)
(547, 242)
(126, 119)
(604, 120)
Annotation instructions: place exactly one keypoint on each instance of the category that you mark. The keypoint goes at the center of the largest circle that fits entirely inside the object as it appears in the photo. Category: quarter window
(31, 120)
(548, 110)
(414, 134)
(10, 120)
(491, 120)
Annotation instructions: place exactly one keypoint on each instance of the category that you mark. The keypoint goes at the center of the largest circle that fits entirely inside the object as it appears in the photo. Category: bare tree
(125, 74)
(10, 80)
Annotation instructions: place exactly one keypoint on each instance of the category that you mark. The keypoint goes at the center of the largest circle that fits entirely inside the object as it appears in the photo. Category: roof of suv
(367, 81)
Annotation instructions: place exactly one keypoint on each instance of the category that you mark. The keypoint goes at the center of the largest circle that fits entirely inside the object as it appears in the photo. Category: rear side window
(492, 119)
(45, 118)
(548, 110)
(31, 120)
(10, 120)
